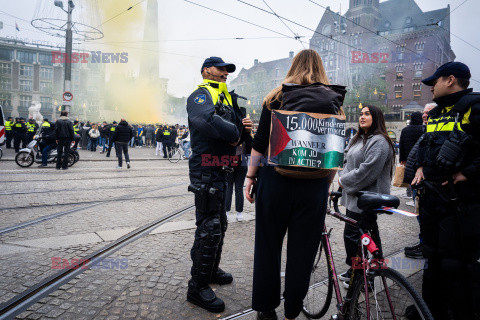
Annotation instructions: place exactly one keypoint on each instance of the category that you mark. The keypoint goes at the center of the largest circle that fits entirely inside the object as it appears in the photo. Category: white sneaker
(240, 216)
(118, 167)
(229, 215)
(410, 203)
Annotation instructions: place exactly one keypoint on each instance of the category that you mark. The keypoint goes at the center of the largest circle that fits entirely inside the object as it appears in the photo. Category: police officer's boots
(200, 293)
(218, 275)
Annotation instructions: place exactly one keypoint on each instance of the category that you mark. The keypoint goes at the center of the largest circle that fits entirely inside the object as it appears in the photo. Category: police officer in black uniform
(449, 172)
(110, 133)
(9, 131)
(216, 127)
(20, 130)
(32, 128)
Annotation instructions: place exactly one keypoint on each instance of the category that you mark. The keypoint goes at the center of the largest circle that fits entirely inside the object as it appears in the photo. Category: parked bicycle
(375, 291)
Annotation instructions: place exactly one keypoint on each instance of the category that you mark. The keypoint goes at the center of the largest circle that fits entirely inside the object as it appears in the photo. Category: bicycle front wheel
(390, 296)
(319, 294)
(174, 155)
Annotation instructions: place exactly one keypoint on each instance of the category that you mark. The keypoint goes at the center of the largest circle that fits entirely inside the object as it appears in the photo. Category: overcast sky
(181, 24)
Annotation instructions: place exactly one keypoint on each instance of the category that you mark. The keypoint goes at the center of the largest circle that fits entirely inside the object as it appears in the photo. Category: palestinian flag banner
(308, 140)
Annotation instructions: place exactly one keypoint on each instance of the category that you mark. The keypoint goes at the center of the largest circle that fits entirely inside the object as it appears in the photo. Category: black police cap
(456, 69)
(218, 62)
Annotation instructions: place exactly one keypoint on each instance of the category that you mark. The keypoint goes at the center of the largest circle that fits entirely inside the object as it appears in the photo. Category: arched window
(327, 29)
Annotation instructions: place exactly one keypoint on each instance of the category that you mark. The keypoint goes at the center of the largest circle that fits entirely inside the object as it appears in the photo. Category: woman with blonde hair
(293, 199)
(94, 133)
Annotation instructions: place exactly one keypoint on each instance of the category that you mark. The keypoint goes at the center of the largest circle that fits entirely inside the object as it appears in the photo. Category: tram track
(95, 178)
(22, 301)
(73, 189)
(88, 206)
(34, 171)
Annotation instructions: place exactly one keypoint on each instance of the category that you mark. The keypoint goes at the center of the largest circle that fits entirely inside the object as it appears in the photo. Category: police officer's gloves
(368, 221)
(452, 151)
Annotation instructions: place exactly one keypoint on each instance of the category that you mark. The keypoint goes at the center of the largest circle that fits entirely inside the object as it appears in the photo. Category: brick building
(27, 73)
(381, 51)
(255, 83)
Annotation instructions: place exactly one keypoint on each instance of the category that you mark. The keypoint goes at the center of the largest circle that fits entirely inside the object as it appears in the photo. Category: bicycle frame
(343, 304)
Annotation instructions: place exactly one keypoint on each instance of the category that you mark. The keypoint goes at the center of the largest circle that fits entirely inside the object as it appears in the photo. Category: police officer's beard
(221, 78)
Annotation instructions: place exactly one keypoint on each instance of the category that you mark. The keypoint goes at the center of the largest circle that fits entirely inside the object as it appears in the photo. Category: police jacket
(123, 132)
(48, 133)
(19, 128)
(64, 128)
(214, 124)
(439, 127)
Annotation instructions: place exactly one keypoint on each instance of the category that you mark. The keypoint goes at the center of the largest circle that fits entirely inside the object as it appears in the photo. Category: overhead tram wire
(398, 44)
(240, 19)
(192, 40)
(331, 38)
(286, 25)
(129, 8)
(262, 27)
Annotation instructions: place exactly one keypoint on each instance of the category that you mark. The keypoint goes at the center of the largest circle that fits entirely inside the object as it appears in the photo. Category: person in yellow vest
(32, 127)
(448, 162)
(76, 130)
(20, 130)
(216, 127)
(9, 132)
(111, 132)
(167, 141)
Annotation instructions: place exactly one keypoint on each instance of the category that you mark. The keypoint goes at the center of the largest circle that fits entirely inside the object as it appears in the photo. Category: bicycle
(375, 291)
(176, 153)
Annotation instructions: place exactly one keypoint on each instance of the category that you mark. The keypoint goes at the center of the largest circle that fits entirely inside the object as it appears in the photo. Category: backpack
(316, 100)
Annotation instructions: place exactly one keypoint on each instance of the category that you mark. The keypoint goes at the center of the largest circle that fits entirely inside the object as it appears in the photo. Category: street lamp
(68, 47)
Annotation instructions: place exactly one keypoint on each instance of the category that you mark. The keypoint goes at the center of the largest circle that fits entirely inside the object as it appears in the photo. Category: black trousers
(237, 178)
(286, 204)
(110, 144)
(9, 137)
(17, 139)
(63, 150)
(451, 244)
(122, 147)
(211, 225)
(351, 237)
(166, 148)
(29, 137)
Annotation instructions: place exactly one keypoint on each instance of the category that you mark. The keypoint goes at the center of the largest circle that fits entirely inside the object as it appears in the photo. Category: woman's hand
(250, 183)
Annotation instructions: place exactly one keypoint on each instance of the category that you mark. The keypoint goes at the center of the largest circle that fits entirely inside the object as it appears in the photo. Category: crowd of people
(161, 137)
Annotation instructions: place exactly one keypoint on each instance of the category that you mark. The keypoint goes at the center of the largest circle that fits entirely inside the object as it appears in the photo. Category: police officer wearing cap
(20, 130)
(216, 127)
(448, 174)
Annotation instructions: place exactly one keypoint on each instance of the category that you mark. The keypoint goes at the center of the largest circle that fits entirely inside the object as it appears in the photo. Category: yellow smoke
(137, 100)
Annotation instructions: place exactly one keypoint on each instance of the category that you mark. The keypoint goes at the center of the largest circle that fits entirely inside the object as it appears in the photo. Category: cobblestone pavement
(151, 281)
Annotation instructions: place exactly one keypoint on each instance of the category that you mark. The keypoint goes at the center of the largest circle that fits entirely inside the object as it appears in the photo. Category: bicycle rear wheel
(174, 155)
(392, 297)
(319, 295)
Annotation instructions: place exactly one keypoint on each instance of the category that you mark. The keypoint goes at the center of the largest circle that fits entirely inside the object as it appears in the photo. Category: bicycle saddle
(371, 200)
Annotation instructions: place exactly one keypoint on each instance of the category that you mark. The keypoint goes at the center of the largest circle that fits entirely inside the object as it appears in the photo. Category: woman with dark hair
(289, 200)
(369, 163)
